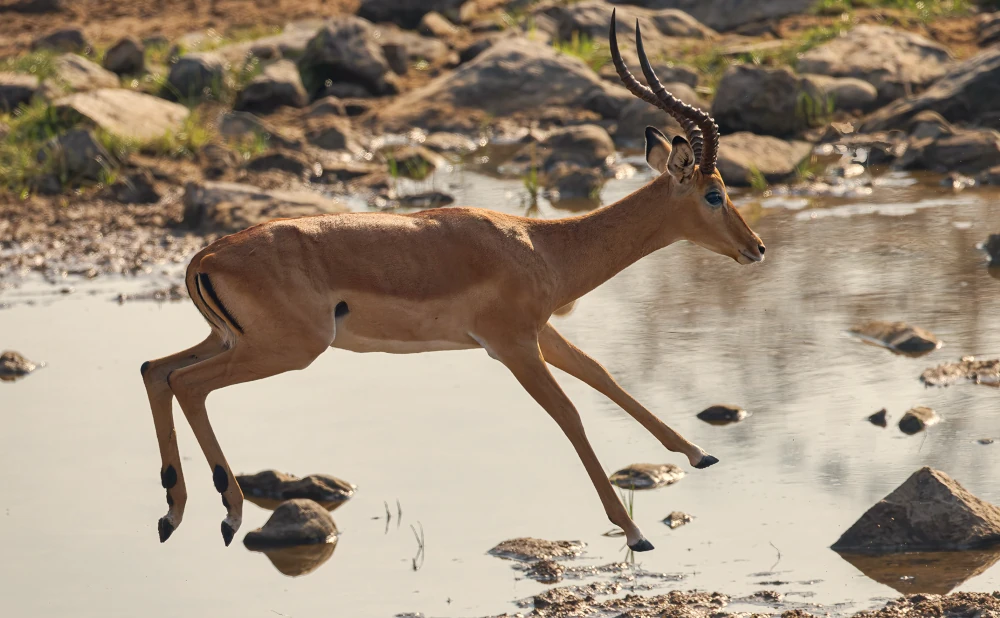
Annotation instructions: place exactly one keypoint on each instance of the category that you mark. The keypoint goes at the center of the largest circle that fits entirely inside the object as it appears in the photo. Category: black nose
(761, 249)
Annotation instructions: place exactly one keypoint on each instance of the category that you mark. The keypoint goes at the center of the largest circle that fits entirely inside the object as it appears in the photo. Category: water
(473, 460)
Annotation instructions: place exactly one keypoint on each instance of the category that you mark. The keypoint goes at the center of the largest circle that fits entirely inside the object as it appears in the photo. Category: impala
(278, 294)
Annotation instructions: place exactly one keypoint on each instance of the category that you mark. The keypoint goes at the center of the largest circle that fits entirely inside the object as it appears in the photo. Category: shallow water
(473, 460)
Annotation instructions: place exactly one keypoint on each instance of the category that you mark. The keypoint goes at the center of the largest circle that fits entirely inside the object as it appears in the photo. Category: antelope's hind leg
(154, 375)
(560, 353)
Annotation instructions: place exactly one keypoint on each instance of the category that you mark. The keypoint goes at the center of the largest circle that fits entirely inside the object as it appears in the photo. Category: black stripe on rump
(206, 285)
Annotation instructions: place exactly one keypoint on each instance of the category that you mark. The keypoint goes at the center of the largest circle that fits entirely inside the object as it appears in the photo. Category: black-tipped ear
(657, 149)
(680, 164)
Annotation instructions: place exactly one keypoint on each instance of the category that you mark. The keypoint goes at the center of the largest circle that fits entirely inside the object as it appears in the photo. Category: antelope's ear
(680, 164)
(658, 150)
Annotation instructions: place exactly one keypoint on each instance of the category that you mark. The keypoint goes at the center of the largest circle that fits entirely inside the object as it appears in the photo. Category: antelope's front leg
(562, 354)
(526, 363)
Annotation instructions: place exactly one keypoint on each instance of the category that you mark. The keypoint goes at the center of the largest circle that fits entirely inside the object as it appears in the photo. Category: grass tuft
(594, 54)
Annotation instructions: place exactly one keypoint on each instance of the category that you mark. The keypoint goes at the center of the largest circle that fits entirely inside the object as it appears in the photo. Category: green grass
(29, 127)
(814, 110)
(186, 143)
(39, 63)
(252, 145)
(757, 181)
(923, 9)
(594, 54)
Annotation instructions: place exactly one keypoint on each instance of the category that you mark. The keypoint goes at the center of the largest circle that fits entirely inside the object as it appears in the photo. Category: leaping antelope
(278, 294)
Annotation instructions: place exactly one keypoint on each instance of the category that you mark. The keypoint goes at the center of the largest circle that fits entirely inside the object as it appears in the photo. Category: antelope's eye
(714, 198)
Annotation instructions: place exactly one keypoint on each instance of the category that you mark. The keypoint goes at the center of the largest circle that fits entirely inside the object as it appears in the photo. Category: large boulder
(725, 14)
(73, 73)
(845, 93)
(930, 511)
(407, 13)
(16, 90)
(66, 40)
(293, 523)
(768, 101)
(743, 154)
(194, 75)
(126, 57)
(278, 85)
(896, 62)
(969, 92)
(514, 76)
(230, 207)
(77, 156)
(347, 50)
(591, 18)
(124, 113)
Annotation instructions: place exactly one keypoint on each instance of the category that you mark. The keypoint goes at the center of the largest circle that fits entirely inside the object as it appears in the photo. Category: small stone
(530, 549)
(327, 106)
(78, 155)
(279, 85)
(899, 337)
(136, 188)
(569, 181)
(546, 572)
(917, 419)
(677, 519)
(270, 487)
(992, 244)
(283, 161)
(880, 418)
(723, 414)
(194, 75)
(647, 476)
(985, 441)
(332, 133)
(14, 366)
(436, 25)
(126, 57)
(16, 90)
(295, 522)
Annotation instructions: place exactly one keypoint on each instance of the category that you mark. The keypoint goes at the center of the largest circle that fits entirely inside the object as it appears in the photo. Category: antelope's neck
(588, 250)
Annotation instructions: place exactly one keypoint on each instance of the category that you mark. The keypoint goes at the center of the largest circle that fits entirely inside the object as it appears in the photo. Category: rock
(966, 93)
(217, 159)
(845, 93)
(454, 143)
(723, 414)
(929, 512)
(677, 519)
(514, 76)
(414, 162)
(270, 487)
(880, 418)
(407, 13)
(960, 150)
(636, 115)
(126, 57)
(529, 549)
(968, 369)
(14, 366)
(74, 73)
(67, 40)
(899, 337)
(436, 25)
(896, 62)
(243, 125)
(991, 177)
(667, 72)
(78, 156)
(988, 29)
(546, 572)
(282, 161)
(992, 248)
(333, 133)
(278, 85)
(413, 48)
(397, 57)
(232, 206)
(327, 106)
(295, 522)
(568, 182)
(35, 6)
(347, 50)
(290, 43)
(341, 171)
(647, 476)
(585, 145)
(137, 187)
(726, 14)
(985, 441)
(124, 112)
(194, 75)
(424, 200)
(16, 90)
(776, 159)
(769, 101)
(917, 419)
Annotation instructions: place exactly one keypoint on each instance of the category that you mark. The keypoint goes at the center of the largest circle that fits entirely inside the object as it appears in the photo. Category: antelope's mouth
(749, 258)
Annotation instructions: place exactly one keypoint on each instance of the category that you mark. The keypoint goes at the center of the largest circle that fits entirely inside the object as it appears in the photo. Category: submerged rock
(300, 559)
(930, 511)
(899, 337)
(937, 572)
(880, 418)
(992, 249)
(968, 369)
(917, 419)
(530, 549)
(270, 487)
(723, 414)
(647, 476)
(677, 519)
(295, 522)
(546, 572)
(14, 366)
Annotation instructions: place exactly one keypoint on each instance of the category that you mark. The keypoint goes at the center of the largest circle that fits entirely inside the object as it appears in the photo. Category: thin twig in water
(388, 516)
(779, 555)
(399, 511)
(420, 546)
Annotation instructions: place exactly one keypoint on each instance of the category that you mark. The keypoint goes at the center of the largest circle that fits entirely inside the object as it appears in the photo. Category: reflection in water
(301, 559)
(924, 572)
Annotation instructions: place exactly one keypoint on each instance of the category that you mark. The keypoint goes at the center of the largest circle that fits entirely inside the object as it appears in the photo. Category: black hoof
(642, 545)
(165, 528)
(227, 533)
(706, 461)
